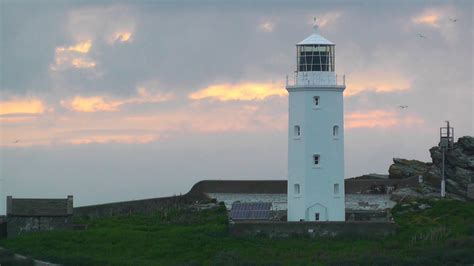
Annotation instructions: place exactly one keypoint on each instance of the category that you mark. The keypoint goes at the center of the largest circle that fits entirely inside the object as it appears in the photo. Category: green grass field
(440, 235)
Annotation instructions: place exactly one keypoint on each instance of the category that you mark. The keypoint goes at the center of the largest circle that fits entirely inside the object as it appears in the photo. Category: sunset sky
(114, 100)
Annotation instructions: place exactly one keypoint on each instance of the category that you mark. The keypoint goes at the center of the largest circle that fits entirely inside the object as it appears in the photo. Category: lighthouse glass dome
(315, 57)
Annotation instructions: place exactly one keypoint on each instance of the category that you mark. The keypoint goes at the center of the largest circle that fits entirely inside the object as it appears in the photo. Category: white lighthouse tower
(316, 134)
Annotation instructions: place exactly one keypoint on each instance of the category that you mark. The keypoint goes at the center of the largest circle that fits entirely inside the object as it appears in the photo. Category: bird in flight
(453, 19)
(421, 36)
(16, 141)
(403, 106)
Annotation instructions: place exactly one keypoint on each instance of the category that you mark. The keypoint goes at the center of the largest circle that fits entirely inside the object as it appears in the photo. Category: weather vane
(315, 25)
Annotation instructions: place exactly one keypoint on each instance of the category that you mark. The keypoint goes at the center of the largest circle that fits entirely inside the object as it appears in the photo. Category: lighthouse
(316, 134)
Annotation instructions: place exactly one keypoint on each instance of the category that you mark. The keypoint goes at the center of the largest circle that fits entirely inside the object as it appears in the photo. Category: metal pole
(443, 182)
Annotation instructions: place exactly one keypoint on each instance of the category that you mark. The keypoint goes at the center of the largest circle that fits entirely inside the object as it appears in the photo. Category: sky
(111, 101)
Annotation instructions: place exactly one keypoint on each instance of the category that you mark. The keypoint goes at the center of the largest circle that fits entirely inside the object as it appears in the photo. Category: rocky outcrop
(459, 167)
(402, 168)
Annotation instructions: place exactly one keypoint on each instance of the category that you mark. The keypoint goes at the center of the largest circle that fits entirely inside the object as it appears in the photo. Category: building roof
(315, 39)
(352, 185)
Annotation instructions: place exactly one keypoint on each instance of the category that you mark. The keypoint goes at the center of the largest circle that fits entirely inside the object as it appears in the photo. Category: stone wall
(145, 206)
(28, 215)
(20, 224)
(311, 229)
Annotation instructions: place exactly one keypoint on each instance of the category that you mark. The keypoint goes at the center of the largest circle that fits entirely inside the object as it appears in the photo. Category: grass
(440, 235)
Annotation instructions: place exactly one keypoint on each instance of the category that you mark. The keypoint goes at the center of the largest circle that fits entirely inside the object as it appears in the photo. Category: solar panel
(251, 211)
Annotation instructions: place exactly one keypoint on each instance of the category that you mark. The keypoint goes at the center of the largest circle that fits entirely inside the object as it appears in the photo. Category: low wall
(145, 206)
(21, 224)
(30, 215)
(311, 229)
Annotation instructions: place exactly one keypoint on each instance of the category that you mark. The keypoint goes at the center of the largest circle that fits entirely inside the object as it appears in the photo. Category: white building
(316, 134)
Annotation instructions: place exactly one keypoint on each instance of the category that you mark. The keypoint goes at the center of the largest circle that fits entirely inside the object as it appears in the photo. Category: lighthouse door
(316, 212)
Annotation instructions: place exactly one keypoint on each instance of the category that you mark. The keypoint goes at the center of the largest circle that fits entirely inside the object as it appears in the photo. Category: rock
(405, 193)
(423, 206)
(402, 168)
(462, 154)
(371, 176)
(459, 168)
(466, 143)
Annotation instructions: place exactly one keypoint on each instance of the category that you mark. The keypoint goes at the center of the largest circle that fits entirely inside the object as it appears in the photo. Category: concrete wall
(19, 224)
(29, 215)
(312, 229)
(145, 206)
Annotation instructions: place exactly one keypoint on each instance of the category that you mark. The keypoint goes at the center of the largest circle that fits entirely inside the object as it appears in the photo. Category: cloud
(82, 47)
(207, 117)
(439, 18)
(429, 17)
(91, 104)
(246, 91)
(377, 81)
(267, 26)
(16, 119)
(120, 36)
(73, 57)
(380, 119)
(122, 138)
(111, 23)
(82, 63)
(21, 106)
(102, 104)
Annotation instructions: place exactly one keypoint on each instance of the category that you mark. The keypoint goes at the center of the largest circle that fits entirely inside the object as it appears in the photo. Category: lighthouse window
(336, 189)
(297, 131)
(316, 159)
(316, 101)
(297, 189)
(335, 131)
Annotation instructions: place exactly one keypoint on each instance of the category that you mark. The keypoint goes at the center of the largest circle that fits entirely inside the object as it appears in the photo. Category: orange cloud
(90, 104)
(429, 17)
(101, 104)
(73, 57)
(82, 63)
(120, 36)
(376, 81)
(239, 92)
(80, 127)
(82, 47)
(380, 119)
(15, 119)
(21, 106)
(123, 138)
